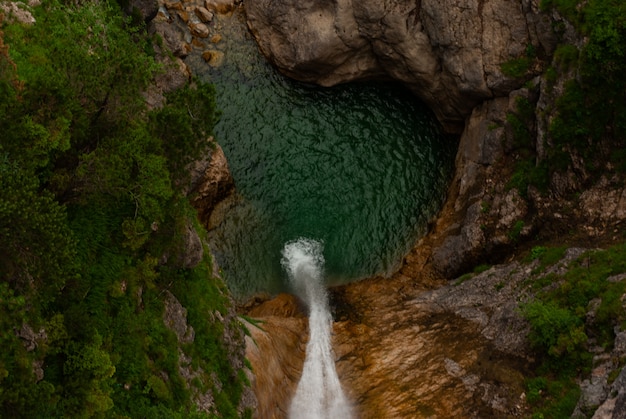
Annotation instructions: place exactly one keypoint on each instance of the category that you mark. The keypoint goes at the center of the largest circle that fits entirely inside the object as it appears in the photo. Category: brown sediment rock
(419, 351)
(276, 350)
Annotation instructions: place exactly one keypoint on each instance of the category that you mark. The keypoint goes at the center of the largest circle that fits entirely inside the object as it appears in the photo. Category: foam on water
(319, 394)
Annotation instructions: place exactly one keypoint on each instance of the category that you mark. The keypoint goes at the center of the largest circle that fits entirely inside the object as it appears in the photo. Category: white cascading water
(319, 394)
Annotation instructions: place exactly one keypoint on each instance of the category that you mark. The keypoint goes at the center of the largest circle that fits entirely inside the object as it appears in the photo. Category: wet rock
(459, 350)
(215, 39)
(276, 350)
(213, 57)
(283, 305)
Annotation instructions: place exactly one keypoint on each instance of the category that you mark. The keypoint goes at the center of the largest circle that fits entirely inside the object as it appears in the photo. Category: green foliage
(567, 7)
(535, 387)
(593, 107)
(547, 256)
(517, 67)
(37, 245)
(477, 270)
(554, 330)
(203, 299)
(537, 252)
(558, 329)
(516, 231)
(527, 173)
(185, 123)
(521, 135)
(91, 217)
(551, 75)
(553, 398)
(566, 57)
(482, 268)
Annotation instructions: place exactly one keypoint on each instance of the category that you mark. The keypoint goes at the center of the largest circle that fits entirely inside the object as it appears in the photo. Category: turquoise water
(360, 167)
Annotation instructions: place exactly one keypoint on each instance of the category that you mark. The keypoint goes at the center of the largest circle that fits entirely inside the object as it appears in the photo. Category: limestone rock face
(480, 211)
(448, 52)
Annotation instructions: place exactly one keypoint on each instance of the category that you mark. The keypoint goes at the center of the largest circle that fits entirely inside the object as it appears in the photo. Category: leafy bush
(560, 327)
(553, 329)
(91, 208)
(593, 107)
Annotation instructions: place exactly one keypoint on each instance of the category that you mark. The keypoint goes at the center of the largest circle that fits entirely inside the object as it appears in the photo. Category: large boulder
(450, 52)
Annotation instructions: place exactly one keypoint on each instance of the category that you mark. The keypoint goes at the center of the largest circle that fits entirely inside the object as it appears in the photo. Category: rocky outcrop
(450, 54)
(276, 350)
(211, 182)
(14, 11)
(481, 212)
(458, 350)
(422, 351)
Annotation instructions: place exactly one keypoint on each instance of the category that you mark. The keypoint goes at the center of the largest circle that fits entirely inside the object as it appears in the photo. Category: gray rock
(146, 9)
(17, 12)
(193, 250)
(175, 318)
(448, 52)
(615, 405)
(457, 250)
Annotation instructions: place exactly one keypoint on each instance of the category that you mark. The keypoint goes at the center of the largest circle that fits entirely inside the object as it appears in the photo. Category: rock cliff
(449, 53)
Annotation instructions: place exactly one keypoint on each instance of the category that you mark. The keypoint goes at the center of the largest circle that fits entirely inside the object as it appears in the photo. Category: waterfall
(319, 394)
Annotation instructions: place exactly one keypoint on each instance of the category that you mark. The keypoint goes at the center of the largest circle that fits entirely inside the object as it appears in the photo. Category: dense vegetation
(581, 308)
(572, 312)
(93, 224)
(592, 110)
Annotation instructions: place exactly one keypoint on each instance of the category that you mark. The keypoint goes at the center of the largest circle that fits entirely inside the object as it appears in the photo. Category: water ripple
(362, 167)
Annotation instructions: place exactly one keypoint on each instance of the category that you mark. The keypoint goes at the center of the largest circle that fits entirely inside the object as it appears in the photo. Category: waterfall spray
(319, 394)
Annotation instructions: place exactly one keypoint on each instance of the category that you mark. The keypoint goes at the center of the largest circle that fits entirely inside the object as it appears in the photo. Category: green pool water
(359, 167)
